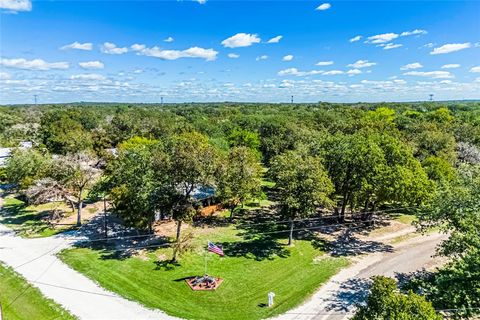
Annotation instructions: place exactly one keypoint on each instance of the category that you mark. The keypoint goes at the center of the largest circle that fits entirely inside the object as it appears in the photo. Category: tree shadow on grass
(346, 244)
(259, 249)
(167, 265)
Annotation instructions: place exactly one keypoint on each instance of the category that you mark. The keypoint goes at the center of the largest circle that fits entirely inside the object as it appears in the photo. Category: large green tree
(303, 185)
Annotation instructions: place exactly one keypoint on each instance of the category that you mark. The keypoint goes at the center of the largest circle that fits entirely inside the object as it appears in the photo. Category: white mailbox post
(271, 295)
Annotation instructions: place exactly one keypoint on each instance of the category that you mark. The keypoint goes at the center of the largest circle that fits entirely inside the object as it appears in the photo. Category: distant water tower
(291, 99)
(431, 96)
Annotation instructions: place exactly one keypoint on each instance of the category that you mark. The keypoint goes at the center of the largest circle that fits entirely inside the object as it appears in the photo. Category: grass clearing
(250, 270)
(30, 305)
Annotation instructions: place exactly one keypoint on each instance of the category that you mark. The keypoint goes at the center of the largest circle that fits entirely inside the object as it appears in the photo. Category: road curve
(336, 299)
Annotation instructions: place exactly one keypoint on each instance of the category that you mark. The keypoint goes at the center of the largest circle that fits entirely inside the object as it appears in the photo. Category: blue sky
(139, 51)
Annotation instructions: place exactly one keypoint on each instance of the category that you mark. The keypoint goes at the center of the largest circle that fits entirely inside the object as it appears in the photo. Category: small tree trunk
(179, 229)
(232, 209)
(344, 206)
(290, 236)
(80, 204)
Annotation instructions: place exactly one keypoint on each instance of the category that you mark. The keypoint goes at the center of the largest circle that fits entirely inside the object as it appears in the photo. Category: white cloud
(356, 38)
(475, 69)
(332, 73)
(111, 48)
(193, 52)
(233, 55)
(296, 72)
(413, 32)
(353, 72)
(451, 47)
(137, 47)
(4, 76)
(262, 57)
(410, 66)
(16, 5)
(382, 38)
(389, 46)
(450, 66)
(324, 63)
(288, 57)
(275, 39)
(200, 1)
(88, 76)
(79, 46)
(430, 74)
(324, 6)
(241, 40)
(169, 39)
(428, 45)
(91, 65)
(138, 71)
(362, 64)
(35, 64)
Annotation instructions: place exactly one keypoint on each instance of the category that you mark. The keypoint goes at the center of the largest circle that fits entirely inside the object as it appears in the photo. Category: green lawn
(28, 221)
(30, 305)
(251, 270)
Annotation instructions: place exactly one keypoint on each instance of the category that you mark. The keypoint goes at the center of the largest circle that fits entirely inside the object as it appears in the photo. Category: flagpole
(206, 254)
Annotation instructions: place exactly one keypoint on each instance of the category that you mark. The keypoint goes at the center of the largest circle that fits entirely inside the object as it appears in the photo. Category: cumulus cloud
(356, 38)
(111, 48)
(193, 52)
(353, 72)
(288, 57)
(4, 76)
(450, 66)
(324, 6)
(451, 47)
(88, 76)
(233, 55)
(324, 63)
(389, 46)
(296, 72)
(137, 47)
(382, 38)
(332, 72)
(430, 74)
(79, 46)
(362, 64)
(16, 5)
(91, 65)
(262, 57)
(475, 69)
(241, 40)
(388, 37)
(413, 32)
(169, 39)
(415, 65)
(200, 1)
(275, 39)
(35, 64)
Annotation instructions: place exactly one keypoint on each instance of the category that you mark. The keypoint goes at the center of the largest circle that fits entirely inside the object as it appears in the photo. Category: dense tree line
(342, 158)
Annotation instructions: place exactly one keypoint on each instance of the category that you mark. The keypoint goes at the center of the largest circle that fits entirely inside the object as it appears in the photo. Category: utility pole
(104, 218)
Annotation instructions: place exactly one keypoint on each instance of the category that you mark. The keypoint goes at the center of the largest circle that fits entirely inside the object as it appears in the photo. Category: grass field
(28, 221)
(31, 304)
(251, 269)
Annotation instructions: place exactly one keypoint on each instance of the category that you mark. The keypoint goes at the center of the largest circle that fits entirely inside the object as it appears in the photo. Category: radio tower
(161, 101)
(35, 98)
(431, 96)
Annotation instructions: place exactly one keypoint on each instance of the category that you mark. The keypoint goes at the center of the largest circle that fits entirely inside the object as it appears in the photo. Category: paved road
(336, 299)
(35, 260)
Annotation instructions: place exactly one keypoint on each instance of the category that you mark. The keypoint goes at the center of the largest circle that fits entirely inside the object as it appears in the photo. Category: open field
(30, 305)
(250, 270)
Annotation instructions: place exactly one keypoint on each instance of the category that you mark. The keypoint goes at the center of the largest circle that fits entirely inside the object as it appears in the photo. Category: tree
(76, 172)
(134, 178)
(25, 166)
(385, 302)
(239, 177)
(193, 164)
(303, 185)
